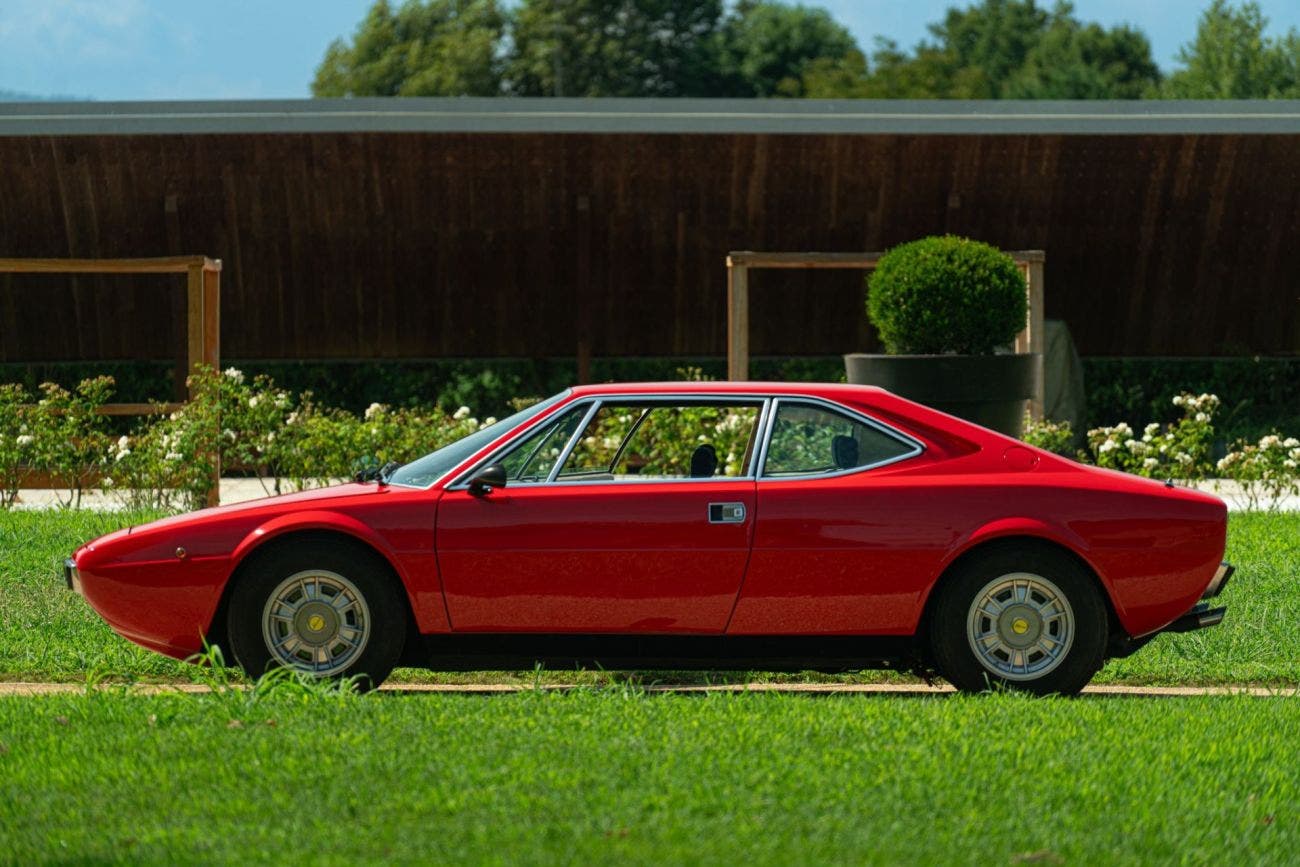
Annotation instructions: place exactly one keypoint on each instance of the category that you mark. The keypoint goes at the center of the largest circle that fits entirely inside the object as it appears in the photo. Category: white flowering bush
(319, 446)
(1181, 450)
(70, 439)
(166, 462)
(1052, 436)
(1266, 471)
(254, 416)
(256, 428)
(16, 441)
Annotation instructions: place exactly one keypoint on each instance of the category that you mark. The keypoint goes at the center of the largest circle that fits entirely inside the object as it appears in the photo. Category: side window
(682, 442)
(630, 441)
(532, 459)
(599, 444)
(809, 439)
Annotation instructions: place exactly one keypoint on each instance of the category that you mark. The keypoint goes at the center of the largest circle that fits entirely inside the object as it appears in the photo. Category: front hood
(283, 502)
(218, 531)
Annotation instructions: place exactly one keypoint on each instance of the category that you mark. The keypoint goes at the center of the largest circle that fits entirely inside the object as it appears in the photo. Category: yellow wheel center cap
(1019, 626)
(316, 623)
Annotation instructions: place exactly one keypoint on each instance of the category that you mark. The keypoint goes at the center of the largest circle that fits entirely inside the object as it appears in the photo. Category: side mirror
(491, 476)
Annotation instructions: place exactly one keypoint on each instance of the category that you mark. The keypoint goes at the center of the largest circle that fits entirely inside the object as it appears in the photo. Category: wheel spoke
(1016, 617)
(322, 652)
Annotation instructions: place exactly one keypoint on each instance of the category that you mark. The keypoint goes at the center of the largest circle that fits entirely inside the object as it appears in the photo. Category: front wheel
(1025, 618)
(324, 609)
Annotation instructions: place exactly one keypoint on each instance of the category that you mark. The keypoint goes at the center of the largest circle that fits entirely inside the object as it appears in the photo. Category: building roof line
(650, 116)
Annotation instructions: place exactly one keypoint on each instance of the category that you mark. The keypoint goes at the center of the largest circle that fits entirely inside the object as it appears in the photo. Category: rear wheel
(325, 609)
(1029, 618)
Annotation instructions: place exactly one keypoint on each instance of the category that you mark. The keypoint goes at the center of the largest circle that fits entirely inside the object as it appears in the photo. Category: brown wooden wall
(427, 245)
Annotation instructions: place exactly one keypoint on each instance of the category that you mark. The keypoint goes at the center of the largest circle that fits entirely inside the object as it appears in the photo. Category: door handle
(726, 513)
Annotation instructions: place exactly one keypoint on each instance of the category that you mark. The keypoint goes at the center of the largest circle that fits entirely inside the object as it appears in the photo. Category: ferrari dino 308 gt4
(772, 526)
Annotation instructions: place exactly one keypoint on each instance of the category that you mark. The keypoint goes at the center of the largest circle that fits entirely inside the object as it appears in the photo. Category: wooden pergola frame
(739, 263)
(203, 315)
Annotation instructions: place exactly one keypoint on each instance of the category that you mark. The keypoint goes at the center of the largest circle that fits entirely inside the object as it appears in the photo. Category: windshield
(423, 472)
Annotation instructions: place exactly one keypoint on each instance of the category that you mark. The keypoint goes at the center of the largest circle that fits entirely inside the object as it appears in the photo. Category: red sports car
(773, 526)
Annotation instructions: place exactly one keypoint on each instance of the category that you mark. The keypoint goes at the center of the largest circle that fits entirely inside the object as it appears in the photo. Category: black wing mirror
(491, 476)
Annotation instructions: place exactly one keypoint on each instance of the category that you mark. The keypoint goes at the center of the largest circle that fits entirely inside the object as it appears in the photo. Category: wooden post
(210, 357)
(1031, 339)
(212, 314)
(737, 320)
(194, 322)
(203, 314)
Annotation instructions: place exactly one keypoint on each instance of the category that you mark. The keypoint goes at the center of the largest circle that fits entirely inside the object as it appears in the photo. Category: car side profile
(715, 525)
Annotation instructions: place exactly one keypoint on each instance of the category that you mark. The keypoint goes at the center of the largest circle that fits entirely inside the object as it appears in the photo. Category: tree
(432, 48)
(1232, 58)
(1074, 61)
(767, 49)
(614, 48)
(1001, 49)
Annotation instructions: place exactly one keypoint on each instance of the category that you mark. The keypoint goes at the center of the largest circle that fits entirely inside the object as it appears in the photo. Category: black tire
(1023, 647)
(366, 600)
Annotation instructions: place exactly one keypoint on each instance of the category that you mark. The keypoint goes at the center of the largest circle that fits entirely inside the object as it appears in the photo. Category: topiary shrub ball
(944, 295)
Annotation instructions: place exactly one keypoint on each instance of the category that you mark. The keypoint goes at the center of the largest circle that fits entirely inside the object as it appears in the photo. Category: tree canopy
(1232, 57)
(434, 48)
(766, 49)
(613, 48)
(1001, 49)
(991, 49)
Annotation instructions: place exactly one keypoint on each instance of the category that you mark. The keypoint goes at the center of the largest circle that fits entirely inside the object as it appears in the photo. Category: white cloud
(88, 29)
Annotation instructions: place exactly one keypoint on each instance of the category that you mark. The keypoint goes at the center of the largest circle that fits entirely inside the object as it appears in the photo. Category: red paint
(593, 558)
(851, 554)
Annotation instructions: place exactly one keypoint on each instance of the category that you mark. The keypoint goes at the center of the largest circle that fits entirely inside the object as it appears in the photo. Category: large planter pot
(990, 390)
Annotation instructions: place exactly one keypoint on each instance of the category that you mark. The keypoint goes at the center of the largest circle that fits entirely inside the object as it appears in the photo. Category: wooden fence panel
(438, 245)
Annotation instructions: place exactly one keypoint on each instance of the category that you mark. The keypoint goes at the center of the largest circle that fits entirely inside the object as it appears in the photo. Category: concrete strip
(897, 689)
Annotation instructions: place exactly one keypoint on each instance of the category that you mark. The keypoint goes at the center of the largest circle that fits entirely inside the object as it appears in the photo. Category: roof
(812, 389)
(705, 116)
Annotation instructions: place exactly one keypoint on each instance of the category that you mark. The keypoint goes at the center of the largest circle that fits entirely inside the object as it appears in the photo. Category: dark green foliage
(759, 48)
(430, 48)
(769, 48)
(1258, 395)
(1232, 58)
(486, 385)
(946, 294)
(999, 49)
(1086, 61)
(613, 48)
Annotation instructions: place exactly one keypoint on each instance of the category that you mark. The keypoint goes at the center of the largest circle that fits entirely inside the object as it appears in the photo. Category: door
(835, 550)
(625, 515)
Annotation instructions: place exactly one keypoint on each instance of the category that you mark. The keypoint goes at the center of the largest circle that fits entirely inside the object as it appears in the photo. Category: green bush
(946, 294)
(1259, 394)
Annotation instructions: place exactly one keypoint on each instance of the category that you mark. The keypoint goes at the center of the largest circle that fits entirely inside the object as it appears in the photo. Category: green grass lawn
(619, 776)
(47, 633)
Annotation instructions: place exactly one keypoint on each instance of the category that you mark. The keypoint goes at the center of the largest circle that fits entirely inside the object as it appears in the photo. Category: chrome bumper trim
(1219, 581)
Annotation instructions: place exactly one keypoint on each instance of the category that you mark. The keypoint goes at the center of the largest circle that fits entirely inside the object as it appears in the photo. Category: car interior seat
(704, 462)
(844, 452)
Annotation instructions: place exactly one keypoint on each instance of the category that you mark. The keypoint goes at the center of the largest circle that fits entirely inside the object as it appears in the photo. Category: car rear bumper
(70, 576)
(1202, 615)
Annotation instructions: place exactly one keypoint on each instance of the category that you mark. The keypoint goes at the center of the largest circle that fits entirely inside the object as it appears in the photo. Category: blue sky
(252, 49)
